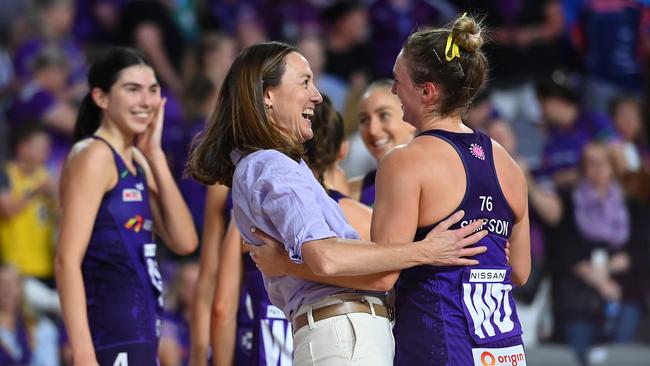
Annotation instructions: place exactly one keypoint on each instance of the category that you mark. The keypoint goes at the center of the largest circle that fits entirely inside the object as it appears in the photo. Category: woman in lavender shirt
(253, 143)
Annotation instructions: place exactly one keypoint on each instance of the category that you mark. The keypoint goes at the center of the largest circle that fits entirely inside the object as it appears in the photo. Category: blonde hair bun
(467, 33)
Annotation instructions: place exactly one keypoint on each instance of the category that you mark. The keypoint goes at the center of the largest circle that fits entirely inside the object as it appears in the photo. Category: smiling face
(380, 123)
(406, 91)
(291, 104)
(132, 100)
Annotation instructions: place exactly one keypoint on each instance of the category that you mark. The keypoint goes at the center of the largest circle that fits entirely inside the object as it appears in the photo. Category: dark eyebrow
(132, 84)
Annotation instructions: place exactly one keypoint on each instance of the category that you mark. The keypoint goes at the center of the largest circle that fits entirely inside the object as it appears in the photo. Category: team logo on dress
(138, 223)
(509, 356)
(135, 223)
(131, 195)
(139, 186)
(477, 151)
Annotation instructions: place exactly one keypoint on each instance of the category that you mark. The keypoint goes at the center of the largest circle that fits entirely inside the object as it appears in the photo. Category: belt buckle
(391, 312)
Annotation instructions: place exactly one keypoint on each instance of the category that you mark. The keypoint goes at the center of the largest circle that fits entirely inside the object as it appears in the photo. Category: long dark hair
(239, 120)
(103, 74)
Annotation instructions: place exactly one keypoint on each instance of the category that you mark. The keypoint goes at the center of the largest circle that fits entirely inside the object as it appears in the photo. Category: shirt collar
(235, 156)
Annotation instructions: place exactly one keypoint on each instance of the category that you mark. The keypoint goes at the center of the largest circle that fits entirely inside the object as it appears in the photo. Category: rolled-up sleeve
(286, 197)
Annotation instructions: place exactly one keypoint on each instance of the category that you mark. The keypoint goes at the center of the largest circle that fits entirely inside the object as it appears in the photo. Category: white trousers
(351, 339)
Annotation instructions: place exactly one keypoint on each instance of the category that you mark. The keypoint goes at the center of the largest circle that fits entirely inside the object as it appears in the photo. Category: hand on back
(445, 247)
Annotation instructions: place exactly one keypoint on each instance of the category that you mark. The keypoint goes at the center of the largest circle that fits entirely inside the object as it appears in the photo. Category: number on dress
(122, 359)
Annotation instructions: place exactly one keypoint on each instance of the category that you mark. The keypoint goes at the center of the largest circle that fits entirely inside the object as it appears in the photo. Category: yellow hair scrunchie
(455, 50)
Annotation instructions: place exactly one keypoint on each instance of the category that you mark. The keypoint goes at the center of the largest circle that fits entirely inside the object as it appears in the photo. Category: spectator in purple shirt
(254, 144)
(54, 27)
(569, 129)
(41, 100)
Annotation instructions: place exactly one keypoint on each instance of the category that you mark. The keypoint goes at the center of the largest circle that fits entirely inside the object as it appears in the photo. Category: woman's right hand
(149, 141)
(270, 258)
(444, 247)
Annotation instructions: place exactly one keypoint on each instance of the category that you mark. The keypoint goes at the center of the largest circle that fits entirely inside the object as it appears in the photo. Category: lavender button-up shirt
(281, 197)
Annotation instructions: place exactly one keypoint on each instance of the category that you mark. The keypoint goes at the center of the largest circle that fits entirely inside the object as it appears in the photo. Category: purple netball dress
(120, 272)
(367, 196)
(335, 195)
(272, 334)
(244, 343)
(459, 316)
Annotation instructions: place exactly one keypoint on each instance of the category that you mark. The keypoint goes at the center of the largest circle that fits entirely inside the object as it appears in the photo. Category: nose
(150, 98)
(316, 97)
(374, 128)
(393, 88)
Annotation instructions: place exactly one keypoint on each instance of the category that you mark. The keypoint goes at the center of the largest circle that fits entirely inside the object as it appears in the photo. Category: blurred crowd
(567, 97)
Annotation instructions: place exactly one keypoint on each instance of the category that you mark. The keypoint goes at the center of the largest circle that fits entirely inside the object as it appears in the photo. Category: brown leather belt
(347, 307)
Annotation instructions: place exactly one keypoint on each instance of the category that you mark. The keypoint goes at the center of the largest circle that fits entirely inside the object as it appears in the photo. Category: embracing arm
(213, 233)
(172, 219)
(287, 198)
(85, 179)
(520, 249)
(513, 182)
(226, 299)
(272, 260)
(347, 257)
(394, 222)
(359, 216)
(395, 214)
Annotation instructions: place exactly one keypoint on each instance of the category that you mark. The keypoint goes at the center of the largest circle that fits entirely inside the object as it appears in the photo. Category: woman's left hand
(149, 141)
(271, 258)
